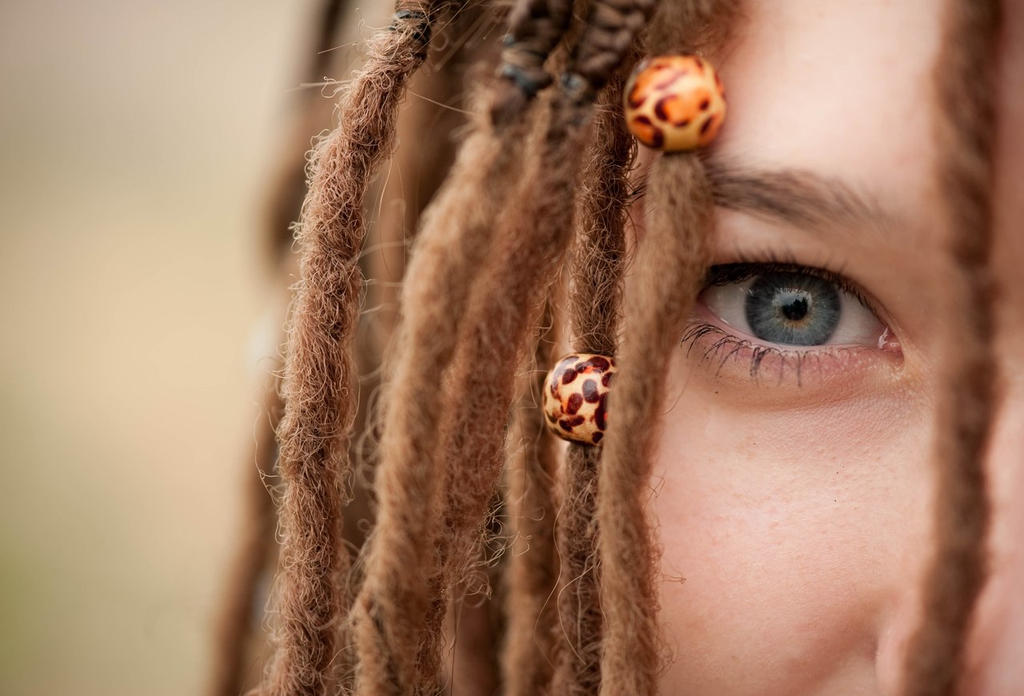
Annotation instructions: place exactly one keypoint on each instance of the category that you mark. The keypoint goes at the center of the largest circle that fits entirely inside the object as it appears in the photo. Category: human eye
(779, 316)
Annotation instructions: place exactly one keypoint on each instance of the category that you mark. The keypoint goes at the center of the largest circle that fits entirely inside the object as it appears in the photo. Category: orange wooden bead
(576, 397)
(674, 103)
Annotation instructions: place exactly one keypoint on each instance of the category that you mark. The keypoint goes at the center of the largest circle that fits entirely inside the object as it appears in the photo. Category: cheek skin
(788, 539)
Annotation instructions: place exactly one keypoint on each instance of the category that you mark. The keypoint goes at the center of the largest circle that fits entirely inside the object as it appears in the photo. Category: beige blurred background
(137, 139)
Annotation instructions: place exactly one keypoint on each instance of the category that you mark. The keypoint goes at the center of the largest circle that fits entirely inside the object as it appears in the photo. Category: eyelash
(719, 350)
(728, 345)
(746, 267)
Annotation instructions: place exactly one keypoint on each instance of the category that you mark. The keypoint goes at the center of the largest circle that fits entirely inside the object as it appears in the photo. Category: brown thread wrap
(612, 27)
(672, 254)
(318, 386)
(966, 127)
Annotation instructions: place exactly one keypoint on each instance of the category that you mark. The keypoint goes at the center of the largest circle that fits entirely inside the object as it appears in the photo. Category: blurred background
(138, 143)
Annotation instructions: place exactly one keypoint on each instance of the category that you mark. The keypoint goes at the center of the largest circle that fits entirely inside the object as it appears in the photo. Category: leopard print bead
(674, 103)
(576, 397)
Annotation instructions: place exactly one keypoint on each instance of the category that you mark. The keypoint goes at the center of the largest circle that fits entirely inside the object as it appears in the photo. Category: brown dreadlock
(966, 74)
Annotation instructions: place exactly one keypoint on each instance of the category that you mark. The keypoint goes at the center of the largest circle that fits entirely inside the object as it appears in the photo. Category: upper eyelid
(749, 269)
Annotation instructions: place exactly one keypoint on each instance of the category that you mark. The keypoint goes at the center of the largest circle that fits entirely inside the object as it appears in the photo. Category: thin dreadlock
(597, 271)
(966, 124)
(256, 552)
(318, 376)
(673, 254)
(530, 474)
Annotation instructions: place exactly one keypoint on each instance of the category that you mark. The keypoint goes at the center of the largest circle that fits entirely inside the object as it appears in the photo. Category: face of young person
(794, 478)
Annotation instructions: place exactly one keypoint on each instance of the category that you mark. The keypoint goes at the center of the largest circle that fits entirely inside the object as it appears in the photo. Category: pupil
(792, 308)
(795, 308)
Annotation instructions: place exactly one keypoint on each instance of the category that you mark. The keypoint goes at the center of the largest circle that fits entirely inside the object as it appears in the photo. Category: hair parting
(966, 76)
(318, 375)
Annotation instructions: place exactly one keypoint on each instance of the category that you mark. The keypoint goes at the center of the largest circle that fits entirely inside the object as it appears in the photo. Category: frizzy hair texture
(318, 373)
(483, 275)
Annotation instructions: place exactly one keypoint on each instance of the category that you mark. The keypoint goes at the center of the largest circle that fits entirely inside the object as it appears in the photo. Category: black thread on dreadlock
(318, 384)
(535, 28)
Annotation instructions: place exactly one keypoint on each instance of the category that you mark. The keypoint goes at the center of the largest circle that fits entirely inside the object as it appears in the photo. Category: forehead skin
(838, 87)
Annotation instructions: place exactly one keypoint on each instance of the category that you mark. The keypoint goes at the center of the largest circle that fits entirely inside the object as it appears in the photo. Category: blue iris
(792, 308)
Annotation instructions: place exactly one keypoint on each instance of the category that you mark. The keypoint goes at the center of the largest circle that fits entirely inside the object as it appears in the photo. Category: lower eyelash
(726, 345)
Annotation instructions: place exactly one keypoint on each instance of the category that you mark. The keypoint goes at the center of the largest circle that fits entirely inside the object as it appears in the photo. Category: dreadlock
(532, 569)
(318, 382)
(966, 75)
(597, 269)
(254, 557)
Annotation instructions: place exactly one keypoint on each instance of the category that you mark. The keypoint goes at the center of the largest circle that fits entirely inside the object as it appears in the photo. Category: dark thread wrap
(420, 25)
(535, 28)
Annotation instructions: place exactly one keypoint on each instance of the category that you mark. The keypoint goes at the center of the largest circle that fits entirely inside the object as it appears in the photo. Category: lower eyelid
(729, 357)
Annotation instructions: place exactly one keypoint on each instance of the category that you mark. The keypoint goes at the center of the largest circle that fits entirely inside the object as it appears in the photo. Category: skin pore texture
(792, 486)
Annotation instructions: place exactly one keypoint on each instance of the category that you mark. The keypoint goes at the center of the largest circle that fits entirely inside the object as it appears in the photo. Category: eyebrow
(793, 196)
